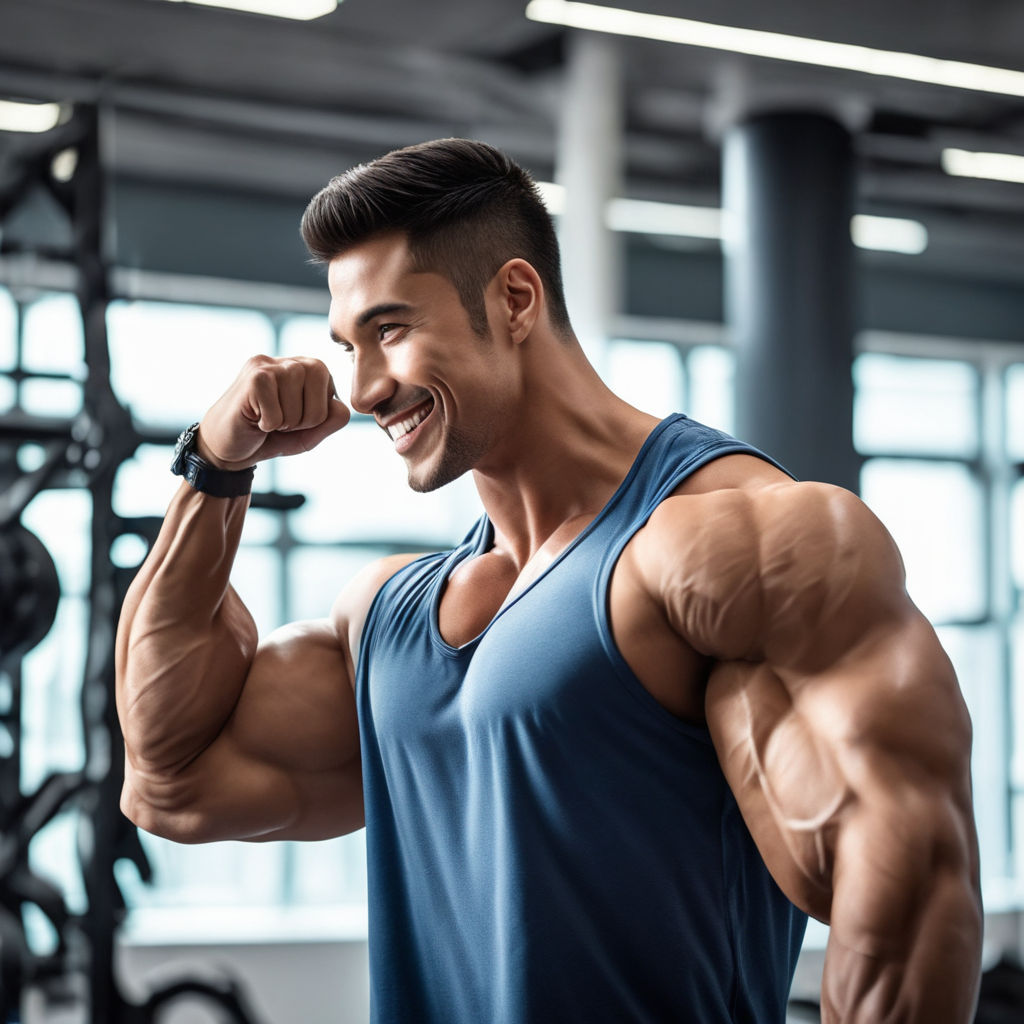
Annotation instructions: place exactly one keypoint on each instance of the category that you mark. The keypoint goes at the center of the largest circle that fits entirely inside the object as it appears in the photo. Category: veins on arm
(841, 729)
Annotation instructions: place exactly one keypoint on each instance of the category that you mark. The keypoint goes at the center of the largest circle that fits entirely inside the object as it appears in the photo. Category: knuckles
(286, 374)
(275, 366)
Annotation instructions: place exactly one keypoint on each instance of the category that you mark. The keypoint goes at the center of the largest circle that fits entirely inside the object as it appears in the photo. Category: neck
(566, 450)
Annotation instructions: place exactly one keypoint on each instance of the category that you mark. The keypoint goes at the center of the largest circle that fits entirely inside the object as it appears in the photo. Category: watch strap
(220, 483)
(204, 477)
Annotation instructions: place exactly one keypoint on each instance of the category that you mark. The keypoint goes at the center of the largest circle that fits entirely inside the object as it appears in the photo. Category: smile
(399, 429)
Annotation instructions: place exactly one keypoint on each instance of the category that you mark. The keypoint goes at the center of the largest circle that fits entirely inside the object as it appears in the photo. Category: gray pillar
(788, 194)
(590, 169)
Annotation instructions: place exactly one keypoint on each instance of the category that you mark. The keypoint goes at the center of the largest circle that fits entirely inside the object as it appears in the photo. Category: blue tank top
(546, 843)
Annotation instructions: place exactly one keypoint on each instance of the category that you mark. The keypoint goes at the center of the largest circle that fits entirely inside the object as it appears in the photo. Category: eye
(385, 330)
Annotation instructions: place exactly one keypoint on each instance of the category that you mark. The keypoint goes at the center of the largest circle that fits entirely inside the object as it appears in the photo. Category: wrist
(207, 476)
(202, 449)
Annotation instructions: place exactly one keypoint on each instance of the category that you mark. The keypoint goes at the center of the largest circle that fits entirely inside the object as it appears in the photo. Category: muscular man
(661, 703)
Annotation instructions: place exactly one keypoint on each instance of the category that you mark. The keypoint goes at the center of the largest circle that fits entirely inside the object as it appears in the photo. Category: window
(1014, 407)
(648, 375)
(662, 377)
(938, 471)
(934, 511)
(918, 406)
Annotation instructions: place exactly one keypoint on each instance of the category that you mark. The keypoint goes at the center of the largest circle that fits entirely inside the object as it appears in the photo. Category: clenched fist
(274, 407)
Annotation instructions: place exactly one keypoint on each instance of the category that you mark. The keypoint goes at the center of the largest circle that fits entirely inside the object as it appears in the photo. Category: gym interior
(800, 222)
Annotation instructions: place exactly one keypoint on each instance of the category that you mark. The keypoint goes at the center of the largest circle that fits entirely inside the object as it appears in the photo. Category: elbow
(145, 816)
(140, 813)
(163, 817)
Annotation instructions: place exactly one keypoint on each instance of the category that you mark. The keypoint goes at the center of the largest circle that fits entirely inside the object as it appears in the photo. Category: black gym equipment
(85, 452)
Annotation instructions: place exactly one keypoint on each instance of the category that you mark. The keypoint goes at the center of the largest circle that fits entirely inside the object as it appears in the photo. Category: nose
(371, 382)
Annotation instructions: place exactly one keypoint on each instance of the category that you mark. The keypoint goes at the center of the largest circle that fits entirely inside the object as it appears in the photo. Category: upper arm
(286, 765)
(837, 717)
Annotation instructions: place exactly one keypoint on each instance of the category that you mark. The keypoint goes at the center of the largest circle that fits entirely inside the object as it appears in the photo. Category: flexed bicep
(845, 738)
(284, 765)
(840, 728)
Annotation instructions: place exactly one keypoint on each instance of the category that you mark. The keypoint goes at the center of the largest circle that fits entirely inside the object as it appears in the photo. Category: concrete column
(589, 167)
(788, 195)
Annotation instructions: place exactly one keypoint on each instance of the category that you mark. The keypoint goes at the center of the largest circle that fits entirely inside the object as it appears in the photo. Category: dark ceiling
(214, 97)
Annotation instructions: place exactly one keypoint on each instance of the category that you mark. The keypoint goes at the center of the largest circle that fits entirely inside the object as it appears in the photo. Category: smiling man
(661, 703)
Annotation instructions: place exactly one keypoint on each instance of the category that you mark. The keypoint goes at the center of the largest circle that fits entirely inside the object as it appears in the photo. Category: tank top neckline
(482, 538)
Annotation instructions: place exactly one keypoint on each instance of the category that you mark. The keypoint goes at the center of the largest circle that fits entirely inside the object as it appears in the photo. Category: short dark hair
(465, 208)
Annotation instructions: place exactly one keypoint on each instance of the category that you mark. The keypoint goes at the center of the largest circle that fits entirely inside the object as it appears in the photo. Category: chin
(423, 483)
(458, 456)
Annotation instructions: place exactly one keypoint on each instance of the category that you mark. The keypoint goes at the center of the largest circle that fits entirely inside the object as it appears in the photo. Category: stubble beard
(460, 454)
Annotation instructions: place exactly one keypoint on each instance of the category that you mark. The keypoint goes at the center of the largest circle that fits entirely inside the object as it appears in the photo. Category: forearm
(185, 640)
(905, 940)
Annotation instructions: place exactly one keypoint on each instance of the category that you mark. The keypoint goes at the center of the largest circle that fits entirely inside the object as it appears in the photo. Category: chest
(580, 596)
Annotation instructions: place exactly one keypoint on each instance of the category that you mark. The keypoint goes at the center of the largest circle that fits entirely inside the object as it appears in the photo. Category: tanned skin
(774, 612)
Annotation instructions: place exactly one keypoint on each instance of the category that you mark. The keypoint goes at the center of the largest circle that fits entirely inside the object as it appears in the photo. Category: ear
(521, 294)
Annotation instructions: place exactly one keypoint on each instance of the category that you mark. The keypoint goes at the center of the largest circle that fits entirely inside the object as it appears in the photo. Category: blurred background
(799, 221)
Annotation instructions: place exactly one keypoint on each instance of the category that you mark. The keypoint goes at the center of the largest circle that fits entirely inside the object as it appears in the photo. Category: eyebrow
(381, 309)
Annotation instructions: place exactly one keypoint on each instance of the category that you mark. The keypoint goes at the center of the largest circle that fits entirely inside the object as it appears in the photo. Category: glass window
(1015, 412)
(156, 348)
(144, 484)
(333, 871)
(317, 575)
(52, 672)
(53, 338)
(975, 652)
(56, 398)
(207, 876)
(62, 521)
(262, 526)
(8, 330)
(648, 375)
(712, 370)
(915, 406)
(1017, 759)
(8, 394)
(934, 512)
(256, 575)
(1017, 674)
(1017, 534)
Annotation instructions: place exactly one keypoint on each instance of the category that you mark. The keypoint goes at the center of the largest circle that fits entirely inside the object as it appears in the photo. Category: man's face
(438, 389)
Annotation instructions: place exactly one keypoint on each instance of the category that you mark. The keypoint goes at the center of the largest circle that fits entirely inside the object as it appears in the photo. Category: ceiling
(212, 97)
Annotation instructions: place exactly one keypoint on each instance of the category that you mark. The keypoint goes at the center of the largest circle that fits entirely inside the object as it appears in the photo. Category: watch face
(184, 441)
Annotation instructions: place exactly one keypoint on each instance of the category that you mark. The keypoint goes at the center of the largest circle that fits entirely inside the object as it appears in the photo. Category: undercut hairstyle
(465, 208)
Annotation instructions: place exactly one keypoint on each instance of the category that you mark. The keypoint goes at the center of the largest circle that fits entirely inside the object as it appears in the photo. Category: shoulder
(352, 606)
(737, 565)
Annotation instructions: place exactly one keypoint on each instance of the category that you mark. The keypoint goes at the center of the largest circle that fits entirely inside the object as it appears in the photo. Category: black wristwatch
(220, 483)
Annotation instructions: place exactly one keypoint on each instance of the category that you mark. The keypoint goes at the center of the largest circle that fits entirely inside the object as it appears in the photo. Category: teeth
(397, 430)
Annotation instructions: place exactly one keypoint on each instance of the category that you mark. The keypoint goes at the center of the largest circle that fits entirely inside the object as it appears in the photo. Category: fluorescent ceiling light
(28, 117)
(998, 166)
(647, 218)
(640, 216)
(553, 196)
(299, 10)
(798, 49)
(889, 234)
